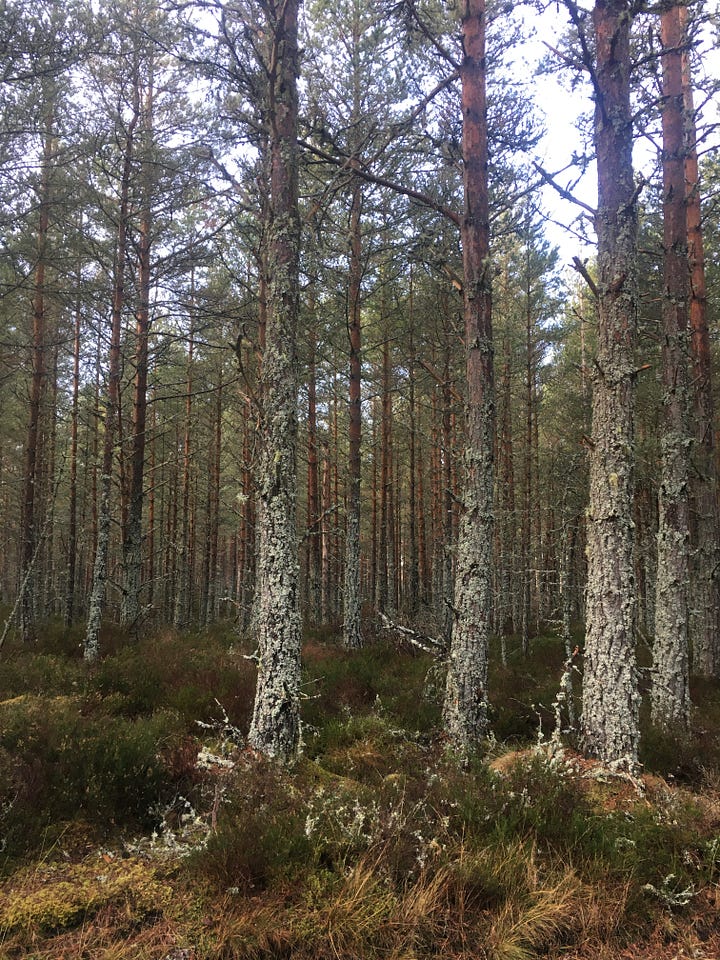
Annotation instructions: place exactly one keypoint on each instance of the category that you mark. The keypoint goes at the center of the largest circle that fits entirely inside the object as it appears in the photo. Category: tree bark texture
(415, 505)
(670, 690)
(313, 474)
(183, 566)
(705, 562)
(133, 540)
(610, 687)
(96, 603)
(275, 728)
(465, 706)
(73, 497)
(33, 455)
(352, 638)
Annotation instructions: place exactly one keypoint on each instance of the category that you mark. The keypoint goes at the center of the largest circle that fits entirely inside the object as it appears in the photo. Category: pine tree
(670, 691)
(610, 722)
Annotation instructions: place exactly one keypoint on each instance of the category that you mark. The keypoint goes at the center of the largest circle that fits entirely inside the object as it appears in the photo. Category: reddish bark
(33, 453)
(705, 580)
(465, 706)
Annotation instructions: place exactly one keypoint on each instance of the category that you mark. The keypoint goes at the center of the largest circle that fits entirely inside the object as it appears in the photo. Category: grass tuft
(525, 931)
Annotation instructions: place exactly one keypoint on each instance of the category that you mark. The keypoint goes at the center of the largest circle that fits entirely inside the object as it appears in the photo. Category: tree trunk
(213, 519)
(247, 565)
(275, 728)
(705, 578)
(423, 562)
(506, 602)
(152, 481)
(96, 604)
(33, 453)
(326, 538)
(386, 598)
(181, 613)
(414, 506)
(448, 504)
(352, 638)
(670, 690)
(437, 514)
(528, 489)
(465, 707)
(611, 701)
(313, 475)
(130, 614)
(72, 480)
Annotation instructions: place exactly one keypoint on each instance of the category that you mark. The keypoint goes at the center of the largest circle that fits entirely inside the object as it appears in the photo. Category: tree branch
(364, 174)
(549, 178)
(582, 270)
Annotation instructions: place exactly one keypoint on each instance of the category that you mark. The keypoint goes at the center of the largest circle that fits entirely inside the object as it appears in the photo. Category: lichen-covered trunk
(275, 728)
(567, 549)
(385, 584)
(507, 604)
(132, 546)
(352, 638)
(313, 474)
(415, 511)
(670, 689)
(465, 707)
(96, 603)
(151, 514)
(705, 560)
(213, 533)
(610, 689)
(423, 560)
(448, 504)
(326, 537)
(528, 491)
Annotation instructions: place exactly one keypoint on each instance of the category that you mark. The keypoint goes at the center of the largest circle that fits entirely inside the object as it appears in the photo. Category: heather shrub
(186, 673)
(260, 835)
(63, 765)
(40, 673)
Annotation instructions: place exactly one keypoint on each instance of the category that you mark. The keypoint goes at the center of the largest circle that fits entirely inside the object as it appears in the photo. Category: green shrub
(39, 673)
(541, 802)
(260, 836)
(185, 673)
(357, 681)
(138, 678)
(62, 765)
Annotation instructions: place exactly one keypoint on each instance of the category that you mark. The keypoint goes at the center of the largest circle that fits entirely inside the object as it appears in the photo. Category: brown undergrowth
(375, 845)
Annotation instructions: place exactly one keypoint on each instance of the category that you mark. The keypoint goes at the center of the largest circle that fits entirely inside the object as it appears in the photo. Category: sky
(562, 108)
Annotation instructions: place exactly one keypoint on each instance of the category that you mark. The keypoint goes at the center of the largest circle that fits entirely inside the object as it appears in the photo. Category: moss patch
(54, 896)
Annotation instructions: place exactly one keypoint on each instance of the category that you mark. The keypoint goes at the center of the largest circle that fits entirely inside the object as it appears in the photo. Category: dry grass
(521, 931)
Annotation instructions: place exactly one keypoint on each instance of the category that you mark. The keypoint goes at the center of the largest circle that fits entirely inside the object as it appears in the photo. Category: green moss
(52, 897)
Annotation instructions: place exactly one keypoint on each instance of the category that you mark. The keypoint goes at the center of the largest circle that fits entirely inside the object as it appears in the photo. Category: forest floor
(135, 825)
